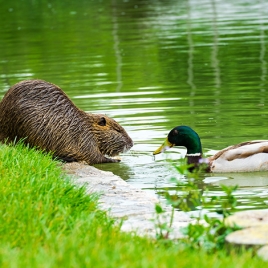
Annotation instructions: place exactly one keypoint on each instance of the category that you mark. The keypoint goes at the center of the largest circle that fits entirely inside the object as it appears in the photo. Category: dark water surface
(152, 65)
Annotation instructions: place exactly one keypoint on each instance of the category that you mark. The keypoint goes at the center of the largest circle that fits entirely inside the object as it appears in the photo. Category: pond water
(152, 65)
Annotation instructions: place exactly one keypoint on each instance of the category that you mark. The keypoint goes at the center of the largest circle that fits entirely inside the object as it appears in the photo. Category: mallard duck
(243, 157)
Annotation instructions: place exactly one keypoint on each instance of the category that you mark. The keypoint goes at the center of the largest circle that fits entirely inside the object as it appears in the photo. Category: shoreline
(124, 202)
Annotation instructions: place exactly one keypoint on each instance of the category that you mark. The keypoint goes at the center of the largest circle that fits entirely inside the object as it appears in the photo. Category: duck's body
(244, 157)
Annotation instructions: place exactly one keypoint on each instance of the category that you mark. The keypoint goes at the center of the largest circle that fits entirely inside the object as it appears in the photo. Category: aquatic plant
(205, 232)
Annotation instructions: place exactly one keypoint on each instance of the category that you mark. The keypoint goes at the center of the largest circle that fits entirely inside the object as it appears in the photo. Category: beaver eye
(102, 122)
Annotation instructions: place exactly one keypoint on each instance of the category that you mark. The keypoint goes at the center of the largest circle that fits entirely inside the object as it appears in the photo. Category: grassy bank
(47, 222)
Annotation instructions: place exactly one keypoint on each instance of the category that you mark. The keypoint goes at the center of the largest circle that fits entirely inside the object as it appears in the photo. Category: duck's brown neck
(193, 158)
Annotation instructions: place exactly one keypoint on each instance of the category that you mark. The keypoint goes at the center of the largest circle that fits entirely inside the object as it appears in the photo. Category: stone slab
(122, 201)
(249, 218)
(263, 253)
(253, 236)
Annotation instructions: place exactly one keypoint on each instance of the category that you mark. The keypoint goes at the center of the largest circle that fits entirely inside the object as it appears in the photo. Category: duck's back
(244, 157)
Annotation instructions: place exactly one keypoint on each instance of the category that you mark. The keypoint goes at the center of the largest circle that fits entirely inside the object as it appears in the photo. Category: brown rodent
(42, 114)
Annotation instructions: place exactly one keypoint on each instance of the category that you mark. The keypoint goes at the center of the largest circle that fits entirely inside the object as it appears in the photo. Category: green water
(151, 65)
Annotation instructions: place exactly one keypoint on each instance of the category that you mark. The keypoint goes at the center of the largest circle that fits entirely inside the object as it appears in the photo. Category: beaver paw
(115, 160)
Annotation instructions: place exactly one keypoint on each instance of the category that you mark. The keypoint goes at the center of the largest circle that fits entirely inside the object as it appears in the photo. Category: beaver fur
(42, 114)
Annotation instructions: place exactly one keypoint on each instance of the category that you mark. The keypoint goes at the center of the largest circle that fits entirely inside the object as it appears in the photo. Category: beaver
(43, 116)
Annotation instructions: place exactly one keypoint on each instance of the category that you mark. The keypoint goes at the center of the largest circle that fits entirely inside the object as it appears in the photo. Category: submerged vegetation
(46, 221)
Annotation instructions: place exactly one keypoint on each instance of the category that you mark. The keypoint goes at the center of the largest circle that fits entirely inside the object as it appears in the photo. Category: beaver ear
(102, 122)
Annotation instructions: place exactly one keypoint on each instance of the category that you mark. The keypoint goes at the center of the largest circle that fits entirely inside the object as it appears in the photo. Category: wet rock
(135, 206)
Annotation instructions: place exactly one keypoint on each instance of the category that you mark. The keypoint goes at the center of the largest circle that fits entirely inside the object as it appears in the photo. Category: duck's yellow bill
(165, 146)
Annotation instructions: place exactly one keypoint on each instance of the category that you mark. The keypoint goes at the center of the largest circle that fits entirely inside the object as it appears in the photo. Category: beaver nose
(128, 145)
(131, 143)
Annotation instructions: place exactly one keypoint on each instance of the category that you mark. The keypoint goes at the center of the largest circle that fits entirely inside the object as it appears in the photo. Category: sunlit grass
(46, 221)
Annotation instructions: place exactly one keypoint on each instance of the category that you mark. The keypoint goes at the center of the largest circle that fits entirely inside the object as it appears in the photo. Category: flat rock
(253, 236)
(122, 201)
(249, 218)
(263, 253)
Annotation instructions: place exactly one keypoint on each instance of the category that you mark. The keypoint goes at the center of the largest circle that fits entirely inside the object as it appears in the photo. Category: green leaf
(159, 209)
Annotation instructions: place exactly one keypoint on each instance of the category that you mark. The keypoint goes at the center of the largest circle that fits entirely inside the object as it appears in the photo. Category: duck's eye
(175, 132)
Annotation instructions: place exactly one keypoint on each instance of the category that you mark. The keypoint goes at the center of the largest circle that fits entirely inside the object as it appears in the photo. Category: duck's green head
(182, 136)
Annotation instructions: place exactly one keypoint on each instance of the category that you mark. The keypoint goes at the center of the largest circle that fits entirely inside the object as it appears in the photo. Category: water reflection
(255, 179)
(214, 56)
(117, 49)
(262, 54)
(191, 52)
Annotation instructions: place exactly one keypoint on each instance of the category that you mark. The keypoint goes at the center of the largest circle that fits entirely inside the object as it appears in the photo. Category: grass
(46, 221)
